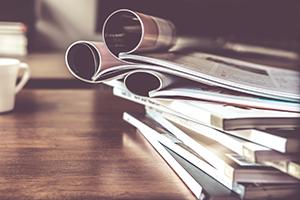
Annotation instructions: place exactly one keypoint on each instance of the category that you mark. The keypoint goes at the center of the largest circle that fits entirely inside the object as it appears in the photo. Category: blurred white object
(13, 40)
(61, 22)
(9, 69)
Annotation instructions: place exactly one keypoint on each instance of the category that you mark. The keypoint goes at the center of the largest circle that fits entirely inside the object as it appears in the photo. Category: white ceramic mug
(9, 70)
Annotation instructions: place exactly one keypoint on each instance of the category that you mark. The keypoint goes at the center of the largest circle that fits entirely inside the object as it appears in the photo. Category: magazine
(249, 150)
(219, 116)
(204, 174)
(139, 45)
(281, 140)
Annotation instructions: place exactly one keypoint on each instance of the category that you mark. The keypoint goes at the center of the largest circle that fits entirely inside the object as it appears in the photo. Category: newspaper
(140, 46)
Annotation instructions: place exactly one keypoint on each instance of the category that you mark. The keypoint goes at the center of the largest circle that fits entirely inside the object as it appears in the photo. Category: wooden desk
(73, 144)
(48, 66)
(48, 70)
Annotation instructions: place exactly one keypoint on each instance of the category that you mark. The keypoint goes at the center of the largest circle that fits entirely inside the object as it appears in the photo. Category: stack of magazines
(13, 40)
(227, 127)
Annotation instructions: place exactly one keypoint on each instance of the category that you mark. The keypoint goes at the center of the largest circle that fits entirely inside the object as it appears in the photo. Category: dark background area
(19, 11)
(265, 22)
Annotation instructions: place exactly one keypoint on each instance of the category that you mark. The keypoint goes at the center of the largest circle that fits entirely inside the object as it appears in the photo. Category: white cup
(9, 70)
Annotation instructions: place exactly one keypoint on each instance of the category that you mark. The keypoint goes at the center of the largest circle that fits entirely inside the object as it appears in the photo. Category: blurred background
(54, 24)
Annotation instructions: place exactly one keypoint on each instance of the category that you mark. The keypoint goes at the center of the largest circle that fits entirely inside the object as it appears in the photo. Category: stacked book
(13, 40)
(227, 127)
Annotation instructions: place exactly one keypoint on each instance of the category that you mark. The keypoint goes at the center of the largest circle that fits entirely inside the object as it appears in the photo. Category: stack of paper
(218, 122)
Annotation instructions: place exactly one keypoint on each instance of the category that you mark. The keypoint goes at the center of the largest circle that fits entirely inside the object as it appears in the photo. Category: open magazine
(141, 50)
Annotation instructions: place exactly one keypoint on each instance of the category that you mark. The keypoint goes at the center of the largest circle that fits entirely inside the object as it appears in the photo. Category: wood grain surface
(48, 66)
(48, 70)
(72, 144)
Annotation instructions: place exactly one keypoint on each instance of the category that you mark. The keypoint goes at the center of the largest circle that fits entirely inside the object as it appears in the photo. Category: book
(290, 167)
(226, 117)
(173, 143)
(251, 151)
(132, 51)
(190, 182)
(217, 157)
(212, 189)
(219, 154)
(281, 140)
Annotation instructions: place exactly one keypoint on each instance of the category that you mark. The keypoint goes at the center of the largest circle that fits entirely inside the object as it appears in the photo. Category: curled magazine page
(135, 41)
(124, 31)
(237, 75)
(85, 59)
(153, 81)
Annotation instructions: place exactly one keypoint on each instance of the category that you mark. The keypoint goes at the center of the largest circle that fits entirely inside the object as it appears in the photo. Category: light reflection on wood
(55, 147)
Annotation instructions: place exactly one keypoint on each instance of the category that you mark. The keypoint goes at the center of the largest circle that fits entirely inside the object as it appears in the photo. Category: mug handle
(24, 67)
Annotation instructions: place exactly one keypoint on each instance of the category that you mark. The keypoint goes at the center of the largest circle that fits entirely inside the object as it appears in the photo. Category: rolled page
(126, 31)
(143, 82)
(85, 59)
